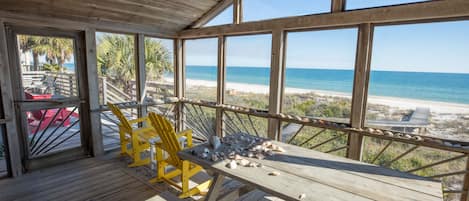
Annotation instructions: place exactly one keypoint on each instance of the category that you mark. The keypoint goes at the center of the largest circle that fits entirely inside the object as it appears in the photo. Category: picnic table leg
(215, 187)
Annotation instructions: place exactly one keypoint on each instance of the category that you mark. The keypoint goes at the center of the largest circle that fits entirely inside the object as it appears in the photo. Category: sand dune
(402, 103)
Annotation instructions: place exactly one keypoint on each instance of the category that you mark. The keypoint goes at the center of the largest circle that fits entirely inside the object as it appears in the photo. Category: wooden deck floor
(106, 178)
(87, 179)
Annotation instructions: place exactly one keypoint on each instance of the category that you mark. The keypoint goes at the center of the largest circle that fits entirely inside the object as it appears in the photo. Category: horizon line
(328, 68)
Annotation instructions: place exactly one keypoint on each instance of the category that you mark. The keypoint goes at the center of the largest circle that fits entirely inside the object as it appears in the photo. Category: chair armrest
(139, 120)
(139, 131)
(188, 134)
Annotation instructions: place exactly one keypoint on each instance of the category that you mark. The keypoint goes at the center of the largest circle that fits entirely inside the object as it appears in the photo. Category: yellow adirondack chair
(183, 168)
(137, 137)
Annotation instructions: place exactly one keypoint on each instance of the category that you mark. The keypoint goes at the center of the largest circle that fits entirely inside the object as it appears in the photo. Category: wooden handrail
(432, 142)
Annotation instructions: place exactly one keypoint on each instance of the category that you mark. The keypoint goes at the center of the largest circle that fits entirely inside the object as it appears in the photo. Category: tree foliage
(116, 59)
(55, 50)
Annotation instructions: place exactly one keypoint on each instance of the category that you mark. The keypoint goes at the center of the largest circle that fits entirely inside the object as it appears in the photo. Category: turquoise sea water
(445, 87)
(69, 66)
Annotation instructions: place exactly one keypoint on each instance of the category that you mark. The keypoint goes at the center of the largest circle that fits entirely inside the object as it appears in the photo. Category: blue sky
(436, 47)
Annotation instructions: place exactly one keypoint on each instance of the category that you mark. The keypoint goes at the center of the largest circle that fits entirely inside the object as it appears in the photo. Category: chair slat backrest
(168, 136)
(116, 111)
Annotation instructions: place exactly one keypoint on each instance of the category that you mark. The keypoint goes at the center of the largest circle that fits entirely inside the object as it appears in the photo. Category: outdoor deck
(87, 179)
(104, 178)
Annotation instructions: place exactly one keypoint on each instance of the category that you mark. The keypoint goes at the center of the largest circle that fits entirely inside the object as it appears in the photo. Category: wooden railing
(65, 84)
(442, 159)
(111, 93)
(58, 83)
(435, 158)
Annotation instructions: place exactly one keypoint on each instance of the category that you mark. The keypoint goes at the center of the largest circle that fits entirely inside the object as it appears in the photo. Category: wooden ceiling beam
(169, 16)
(194, 8)
(212, 13)
(66, 8)
(432, 10)
(77, 23)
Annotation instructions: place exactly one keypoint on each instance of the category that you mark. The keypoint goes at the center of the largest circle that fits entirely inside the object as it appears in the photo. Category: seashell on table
(232, 165)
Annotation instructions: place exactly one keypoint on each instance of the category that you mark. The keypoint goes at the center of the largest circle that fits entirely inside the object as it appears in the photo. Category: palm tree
(56, 50)
(116, 59)
(30, 43)
(157, 59)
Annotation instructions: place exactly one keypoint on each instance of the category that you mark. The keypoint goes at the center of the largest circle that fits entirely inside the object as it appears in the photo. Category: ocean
(444, 87)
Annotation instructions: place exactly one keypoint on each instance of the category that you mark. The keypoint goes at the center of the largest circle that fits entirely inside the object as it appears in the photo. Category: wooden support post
(12, 135)
(179, 81)
(360, 89)
(221, 74)
(237, 11)
(141, 78)
(465, 188)
(215, 188)
(93, 92)
(70, 83)
(338, 6)
(276, 82)
(104, 88)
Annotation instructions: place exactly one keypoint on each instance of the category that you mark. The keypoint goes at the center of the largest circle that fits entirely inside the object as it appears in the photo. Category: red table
(47, 116)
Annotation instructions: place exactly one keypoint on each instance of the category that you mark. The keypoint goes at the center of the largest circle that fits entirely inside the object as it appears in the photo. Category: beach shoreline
(401, 103)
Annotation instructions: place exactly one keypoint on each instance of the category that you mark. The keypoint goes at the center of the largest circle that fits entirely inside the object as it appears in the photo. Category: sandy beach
(401, 103)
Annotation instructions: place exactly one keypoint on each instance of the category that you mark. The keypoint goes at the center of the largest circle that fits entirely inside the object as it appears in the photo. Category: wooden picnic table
(320, 176)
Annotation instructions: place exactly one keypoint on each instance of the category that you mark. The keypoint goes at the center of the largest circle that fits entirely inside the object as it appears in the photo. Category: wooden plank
(134, 191)
(83, 89)
(236, 193)
(337, 6)
(465, 188)
(47, 174)
(104, 178)
(14, 188)
(62, 186)
(29, 105)
(362, 74)
(212, 13)
(116, 192)
(424, 11)
(81, 23)
(276, 82)
(432, 142)
(360, 89)
(166, 18)
(237, 11)
(221, 76)
(115, 185)
(310, 168)
(281, 185)
(55, 158)
(254, 195)
(179, 79)
(93, 92)
(105, 10)
(180, 6)
(215, 187)
(14, 149)
(141, 72)
(355, 176)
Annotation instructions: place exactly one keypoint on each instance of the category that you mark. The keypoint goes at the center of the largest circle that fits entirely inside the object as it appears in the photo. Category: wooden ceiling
(168, 15)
